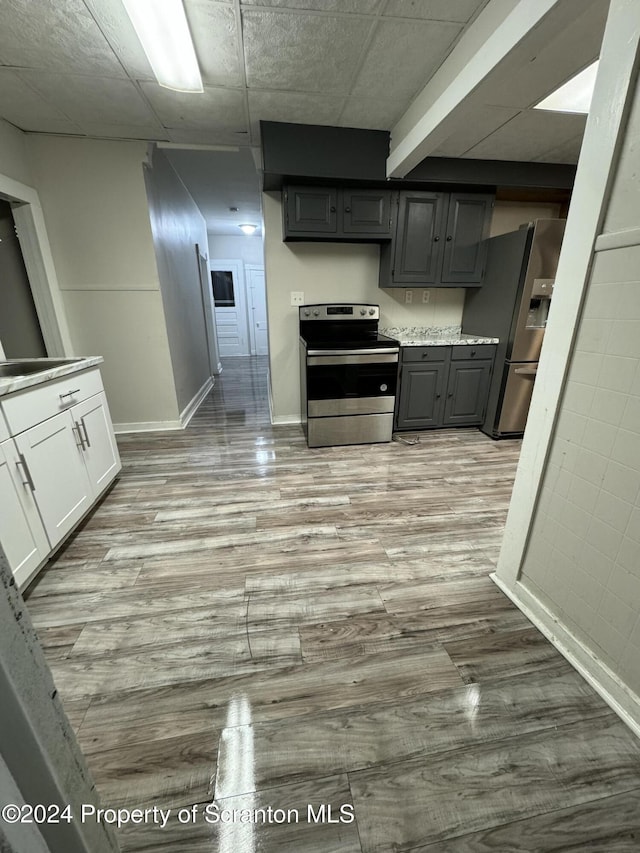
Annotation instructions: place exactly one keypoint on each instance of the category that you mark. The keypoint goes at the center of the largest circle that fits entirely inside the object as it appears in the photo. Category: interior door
(228, 295)
(257, 297)
(209, 312)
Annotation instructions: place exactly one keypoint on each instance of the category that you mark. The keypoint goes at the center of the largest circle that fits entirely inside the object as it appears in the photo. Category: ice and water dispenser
(540, 303)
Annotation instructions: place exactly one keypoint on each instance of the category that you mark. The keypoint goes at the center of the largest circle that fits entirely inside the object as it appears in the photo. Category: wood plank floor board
(318, 626)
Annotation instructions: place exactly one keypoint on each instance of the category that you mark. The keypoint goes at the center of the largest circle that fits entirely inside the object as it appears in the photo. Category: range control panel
(339, 311)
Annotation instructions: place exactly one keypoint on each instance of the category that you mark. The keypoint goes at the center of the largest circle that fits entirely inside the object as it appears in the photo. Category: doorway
(20, 332)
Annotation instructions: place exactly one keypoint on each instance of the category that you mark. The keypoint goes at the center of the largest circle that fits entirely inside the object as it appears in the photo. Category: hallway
(246, 619)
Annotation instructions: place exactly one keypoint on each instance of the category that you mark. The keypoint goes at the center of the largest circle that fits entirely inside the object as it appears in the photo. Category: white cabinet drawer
(37, 403)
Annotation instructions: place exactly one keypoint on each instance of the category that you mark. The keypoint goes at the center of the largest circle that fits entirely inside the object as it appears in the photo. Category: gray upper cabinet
(328, 213)
(417, 254)
(439, 240)
(311, 210)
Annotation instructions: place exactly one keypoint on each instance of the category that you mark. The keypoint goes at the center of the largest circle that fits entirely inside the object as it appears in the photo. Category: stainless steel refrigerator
(512, 305)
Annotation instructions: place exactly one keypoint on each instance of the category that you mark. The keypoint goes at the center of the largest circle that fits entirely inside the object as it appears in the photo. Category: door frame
(38, 261)
(240, 294)
(208, 309)
(250, 268)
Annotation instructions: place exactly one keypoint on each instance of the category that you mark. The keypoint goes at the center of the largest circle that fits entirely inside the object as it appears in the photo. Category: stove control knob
(372, 310)
(363, 311)
(316, 313)
(306, 312)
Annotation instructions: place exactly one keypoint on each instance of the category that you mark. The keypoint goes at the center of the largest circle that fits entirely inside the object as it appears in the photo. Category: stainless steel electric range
(348, 375)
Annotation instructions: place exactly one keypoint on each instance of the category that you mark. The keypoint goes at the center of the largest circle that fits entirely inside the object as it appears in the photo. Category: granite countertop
(62, 367)
(443, 336)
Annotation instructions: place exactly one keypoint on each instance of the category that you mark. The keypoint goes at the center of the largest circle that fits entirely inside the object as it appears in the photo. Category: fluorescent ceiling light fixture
(161, 26)
(575, 95)
(248, 229)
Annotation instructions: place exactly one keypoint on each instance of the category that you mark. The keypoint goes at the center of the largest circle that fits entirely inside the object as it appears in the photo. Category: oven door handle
(362, 357)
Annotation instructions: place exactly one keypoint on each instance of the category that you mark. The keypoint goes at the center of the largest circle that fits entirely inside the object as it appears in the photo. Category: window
(222, 283)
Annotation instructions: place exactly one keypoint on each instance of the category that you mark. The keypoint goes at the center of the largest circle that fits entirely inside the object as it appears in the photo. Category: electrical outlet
(408, 296)
(297, 297)
(426, 295)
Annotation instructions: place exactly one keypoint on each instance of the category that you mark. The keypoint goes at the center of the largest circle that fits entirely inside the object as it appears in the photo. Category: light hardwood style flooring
(248, 621)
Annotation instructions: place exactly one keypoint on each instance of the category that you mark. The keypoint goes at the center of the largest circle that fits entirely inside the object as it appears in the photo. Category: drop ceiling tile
(215, 36)
(193, 136)
(303, 52)
(371, 113)
(307, 108)
(102, 100)
(529, 135)
(434, 10)
(402, 57)
(125, 131)
(219, 110)
(112, 18)
(24, 107)
(567, 152)
(57, 36)
(363, 7)
(472, 128)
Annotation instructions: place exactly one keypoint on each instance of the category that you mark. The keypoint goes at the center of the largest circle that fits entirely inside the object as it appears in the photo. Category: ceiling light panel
(575, 95)
(164, 33)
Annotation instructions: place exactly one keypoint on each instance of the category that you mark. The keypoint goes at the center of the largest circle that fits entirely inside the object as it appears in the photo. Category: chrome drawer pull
(76, 430)
(29, 481)
(86, 434)
(69, 393)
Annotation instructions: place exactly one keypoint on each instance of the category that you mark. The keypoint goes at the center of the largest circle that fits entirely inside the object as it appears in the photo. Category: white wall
(571, 551)
(248, 249)
(177, 225)
(583, 560)
(14, 161)
(328, 272)
(95, 208)
(510, 215)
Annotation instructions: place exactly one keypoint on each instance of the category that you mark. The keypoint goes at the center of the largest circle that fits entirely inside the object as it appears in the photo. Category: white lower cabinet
(53, 453)
(22, 534)
(52, 472)
(100, 451)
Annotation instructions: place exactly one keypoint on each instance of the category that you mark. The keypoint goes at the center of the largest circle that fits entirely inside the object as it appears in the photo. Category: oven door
(342, 383)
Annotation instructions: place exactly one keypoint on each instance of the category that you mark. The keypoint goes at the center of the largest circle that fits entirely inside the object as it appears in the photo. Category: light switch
(297, 297)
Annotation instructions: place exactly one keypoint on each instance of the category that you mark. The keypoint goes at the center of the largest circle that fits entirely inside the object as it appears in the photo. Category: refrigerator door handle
(526, 371)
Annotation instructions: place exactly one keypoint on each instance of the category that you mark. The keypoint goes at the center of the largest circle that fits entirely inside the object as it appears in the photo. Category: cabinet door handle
(438, 396)
(76, 429)
(69, 393)
(29, 481)
(347, 210)
(473, 352)
(332, 209)
(450, 394)
(436, 239)
(449, 238)
(86, 434)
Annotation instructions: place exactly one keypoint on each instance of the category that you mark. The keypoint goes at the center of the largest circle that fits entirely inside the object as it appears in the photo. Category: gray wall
(177, 225)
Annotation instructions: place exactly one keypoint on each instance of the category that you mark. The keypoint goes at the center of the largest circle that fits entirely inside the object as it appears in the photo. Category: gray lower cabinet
(443, 386)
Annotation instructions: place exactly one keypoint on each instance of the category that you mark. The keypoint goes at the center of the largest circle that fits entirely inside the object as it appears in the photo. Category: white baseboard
(164, 426)
(147, 426)
(604, 681)
(192, 407)
(284, 420)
